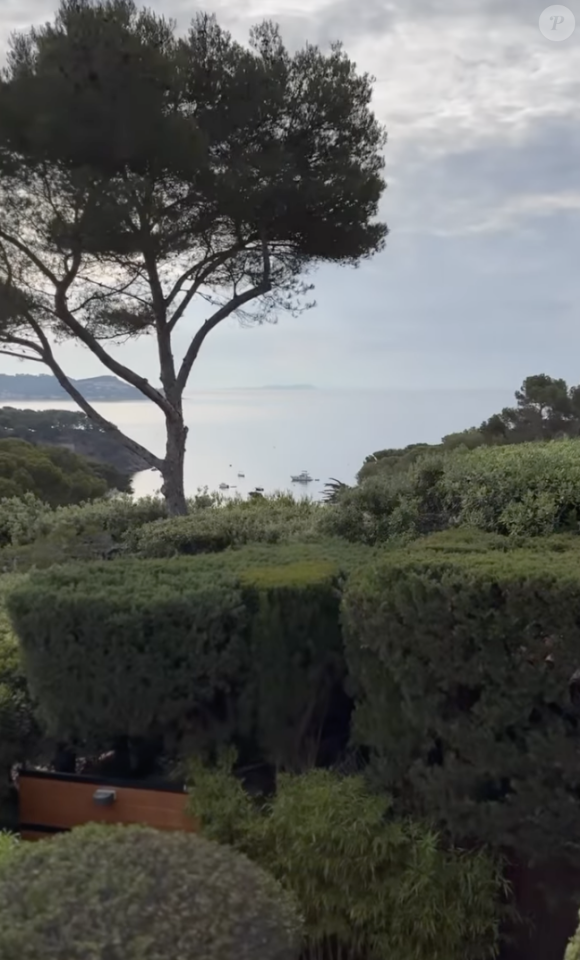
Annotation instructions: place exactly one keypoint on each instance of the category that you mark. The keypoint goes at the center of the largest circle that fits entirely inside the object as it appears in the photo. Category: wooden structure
(52, 803)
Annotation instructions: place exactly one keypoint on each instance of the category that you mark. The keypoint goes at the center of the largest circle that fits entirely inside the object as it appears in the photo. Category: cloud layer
(478, 285)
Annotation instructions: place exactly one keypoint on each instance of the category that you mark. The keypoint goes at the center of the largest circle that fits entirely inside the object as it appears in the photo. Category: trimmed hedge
(463, 665)
(127, 648)
(242, 644)
(18, 728)
(296, 655)
(140, 894)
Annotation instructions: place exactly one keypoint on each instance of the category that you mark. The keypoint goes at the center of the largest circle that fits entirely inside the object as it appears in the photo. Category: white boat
(303, 477)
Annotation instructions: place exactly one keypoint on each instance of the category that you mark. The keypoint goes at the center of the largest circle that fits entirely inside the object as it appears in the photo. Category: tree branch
(206, 266)
(49, 359)
(125, 373)
(46, 271)
(234, 304)
(21, 356)
(79, 331)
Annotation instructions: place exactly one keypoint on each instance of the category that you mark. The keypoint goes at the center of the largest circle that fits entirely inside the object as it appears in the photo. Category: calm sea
(268, 435)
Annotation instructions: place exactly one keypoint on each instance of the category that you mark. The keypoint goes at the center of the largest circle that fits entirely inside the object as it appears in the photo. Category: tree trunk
(173, 488)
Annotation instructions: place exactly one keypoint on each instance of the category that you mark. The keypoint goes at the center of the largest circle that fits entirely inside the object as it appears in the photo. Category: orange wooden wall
(58, 802)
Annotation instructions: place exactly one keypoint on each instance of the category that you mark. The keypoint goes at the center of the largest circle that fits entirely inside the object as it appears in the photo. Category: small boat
(303, 477)
(259, 489)
(241, 474)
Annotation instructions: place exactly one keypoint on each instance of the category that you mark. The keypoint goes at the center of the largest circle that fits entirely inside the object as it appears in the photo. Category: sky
(479, 284)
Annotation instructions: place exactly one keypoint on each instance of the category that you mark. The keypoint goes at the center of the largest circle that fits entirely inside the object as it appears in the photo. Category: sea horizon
(271, 434)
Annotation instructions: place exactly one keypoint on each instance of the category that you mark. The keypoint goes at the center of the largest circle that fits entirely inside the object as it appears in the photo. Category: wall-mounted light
(104, 797)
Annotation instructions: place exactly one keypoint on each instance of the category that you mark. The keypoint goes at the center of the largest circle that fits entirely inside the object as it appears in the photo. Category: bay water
(269, 435)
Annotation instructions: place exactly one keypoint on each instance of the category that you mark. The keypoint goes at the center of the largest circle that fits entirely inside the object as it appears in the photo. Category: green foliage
(8, 845)
(243, 643)
(53, 474)
(400, 504)
(132, 892)
(546, 409)
(267, 520)
(393, 460)
(528, 489)
(296, 653)
(369, 885)
(531, 488)
(37, 536)
(18, 729)
(19, 517)
(73, 430)
(135, 644)
(464, 667)
(573, 948)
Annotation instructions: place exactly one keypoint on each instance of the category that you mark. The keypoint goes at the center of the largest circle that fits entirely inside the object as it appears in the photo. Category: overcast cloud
(479, 285)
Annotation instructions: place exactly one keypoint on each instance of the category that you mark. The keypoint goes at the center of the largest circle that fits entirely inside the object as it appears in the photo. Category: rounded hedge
(134, 647)
(133, 893)
(464, 668)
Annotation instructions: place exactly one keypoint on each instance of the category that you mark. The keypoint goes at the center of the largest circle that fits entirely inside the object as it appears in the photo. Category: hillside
(26, 386)
(73, 430)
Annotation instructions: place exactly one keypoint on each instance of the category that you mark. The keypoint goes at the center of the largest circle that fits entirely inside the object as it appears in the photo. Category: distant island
(27, 386)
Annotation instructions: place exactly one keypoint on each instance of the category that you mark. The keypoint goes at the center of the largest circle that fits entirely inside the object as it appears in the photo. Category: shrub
(267, 520)
(132, 892)
(464, 669)
(242, 644)
(8, 845)
(400, 504)
(127, 647)
(18, 729)
(524, 489)
(296, 656)
(369, 885)
(528, 489)
(114, 516)
(19, 516)
(573, 948)
(53, 474)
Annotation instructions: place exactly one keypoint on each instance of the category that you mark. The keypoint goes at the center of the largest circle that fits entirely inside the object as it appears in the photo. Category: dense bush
(573, 948)
(108, 892)
(127, 647)
(464, 665)
(18, 729)
(32, 520)
(265, 520)
(370, 886)
(403, 504)
(527, 489)
(245, 643)
(8, 844)
(53, 474)
(296, 656)
(33, 534)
